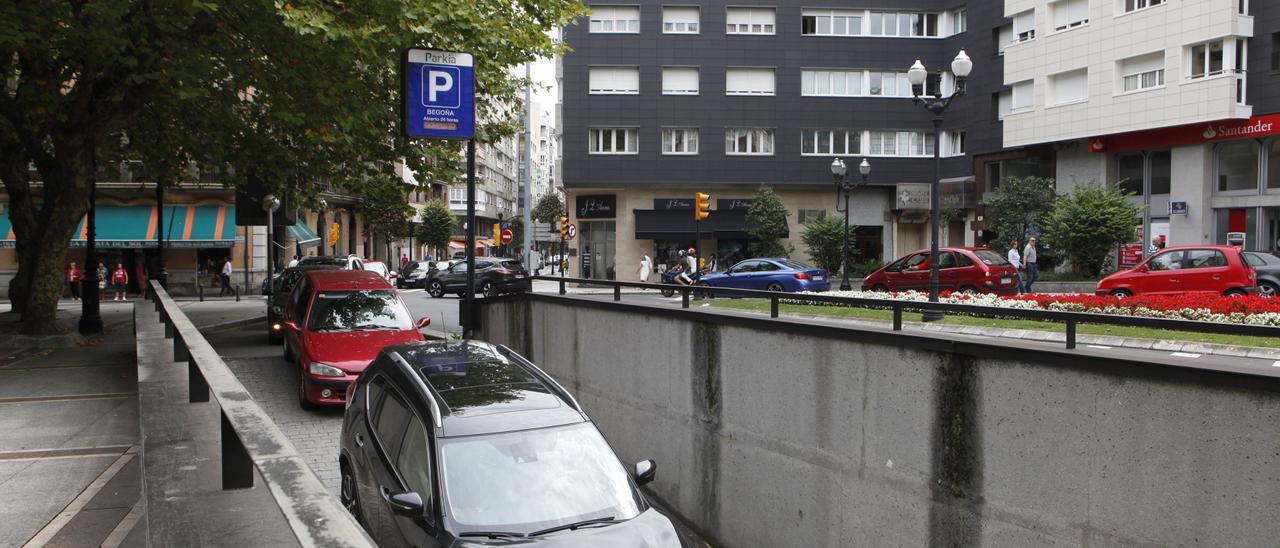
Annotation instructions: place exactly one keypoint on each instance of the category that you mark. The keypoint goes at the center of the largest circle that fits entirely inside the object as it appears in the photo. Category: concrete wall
(767, 435)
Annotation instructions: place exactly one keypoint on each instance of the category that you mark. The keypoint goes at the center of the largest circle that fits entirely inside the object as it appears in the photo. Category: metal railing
(1070, 319)
(250, 439)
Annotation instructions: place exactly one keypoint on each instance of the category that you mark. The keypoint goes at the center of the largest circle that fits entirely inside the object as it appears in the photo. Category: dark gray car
(494, 276)
(1267, 265)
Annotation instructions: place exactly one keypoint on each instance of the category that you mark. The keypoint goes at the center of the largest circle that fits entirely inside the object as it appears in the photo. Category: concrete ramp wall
(772, 433)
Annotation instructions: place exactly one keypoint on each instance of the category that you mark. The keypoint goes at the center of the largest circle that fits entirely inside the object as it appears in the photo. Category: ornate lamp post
(845, 187)
(270, 203)
(917, 75)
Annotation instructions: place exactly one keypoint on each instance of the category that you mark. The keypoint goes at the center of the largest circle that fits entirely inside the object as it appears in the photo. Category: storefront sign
(1223, 130)
(1129, 256)
(1177, 208)
(599, 206)
(911, 196)
(670, 204)
(733, 204)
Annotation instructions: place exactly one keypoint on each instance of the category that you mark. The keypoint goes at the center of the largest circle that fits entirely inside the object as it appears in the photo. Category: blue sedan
(770, 275)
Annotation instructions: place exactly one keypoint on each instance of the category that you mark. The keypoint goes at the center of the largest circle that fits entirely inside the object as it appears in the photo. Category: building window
(680, 140)
(1002, 103)
(804, 216)
(1069, 14)
(680, 20)
(959, 21)
(613, 80)
(1273, 165)
(1142, 72)
(832, 22)
(1024, 26)
(889, 84)
(748, 141)
(614, 140)
(1205, 59)
(829, 142)
(749, 21)
(1275, 51)
(1238, 166)
(829, 83)
(953, 143)
(615, 19)
(900, 143)
(1134, 5)
(1069, 87)
(1003, 35)
(1023, 97)
(749, 81)
(679, 80)
(889, 23)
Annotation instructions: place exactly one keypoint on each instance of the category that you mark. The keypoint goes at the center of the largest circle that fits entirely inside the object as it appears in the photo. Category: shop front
(597, 237)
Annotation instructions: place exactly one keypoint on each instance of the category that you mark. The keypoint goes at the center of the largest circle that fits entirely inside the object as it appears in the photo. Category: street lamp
(917, 75)
(270, 203)
(845, 187)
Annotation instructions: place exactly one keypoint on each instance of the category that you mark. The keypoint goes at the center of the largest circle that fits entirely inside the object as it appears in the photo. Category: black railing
(1070, 319)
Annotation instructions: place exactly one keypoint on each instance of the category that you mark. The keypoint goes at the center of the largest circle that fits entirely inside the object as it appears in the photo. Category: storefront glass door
(597, 259)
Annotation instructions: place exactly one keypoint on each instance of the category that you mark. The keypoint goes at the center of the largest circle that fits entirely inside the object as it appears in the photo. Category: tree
(285, 92)
(386, 209)
(548, 210)
(436, 225)
(1088, 223)
(824, 237)
(1016, 206)
(516, 226)
(767, 224)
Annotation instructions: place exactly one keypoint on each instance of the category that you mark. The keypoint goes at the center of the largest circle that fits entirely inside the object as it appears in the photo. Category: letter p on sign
(441, 86)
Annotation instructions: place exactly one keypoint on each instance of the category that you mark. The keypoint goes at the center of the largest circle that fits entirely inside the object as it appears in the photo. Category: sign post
(438, 102)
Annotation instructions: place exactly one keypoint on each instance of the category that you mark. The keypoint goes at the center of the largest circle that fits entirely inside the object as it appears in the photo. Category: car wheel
(969, 290)
(435, 289)
(1268, 289)
(1121, 293)
(668, 292)
(303, 402)
(706, 294)
(775, 286)
(1237, 292)
(879, 287)
(488, 290)
(349, 495)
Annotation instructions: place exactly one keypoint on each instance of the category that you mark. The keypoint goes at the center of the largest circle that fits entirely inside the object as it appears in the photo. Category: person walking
(1016, 260)
(102, 280)
(646, 266)
(73, 280)
(293, 262)
(1029, 262)
(120, 282)
(140, 273)
(404, 261)
(226, 278)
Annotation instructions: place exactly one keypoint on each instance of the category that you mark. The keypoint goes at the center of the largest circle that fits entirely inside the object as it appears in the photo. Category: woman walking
(646, 266)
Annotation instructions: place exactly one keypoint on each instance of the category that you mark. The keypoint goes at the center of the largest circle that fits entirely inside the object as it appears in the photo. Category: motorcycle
(669, 278)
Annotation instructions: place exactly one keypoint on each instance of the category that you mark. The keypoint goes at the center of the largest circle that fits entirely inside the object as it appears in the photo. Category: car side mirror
(291, 326)
(423, 322)
(1142, 267)
(646, 471)
(406, 503)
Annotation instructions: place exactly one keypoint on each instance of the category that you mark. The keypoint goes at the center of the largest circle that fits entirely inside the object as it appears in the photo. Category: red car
(335, 322)
(966, 269)
(1217, 269)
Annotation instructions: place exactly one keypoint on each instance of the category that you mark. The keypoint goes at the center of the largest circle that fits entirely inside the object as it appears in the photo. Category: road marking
(126, 525)
(37, 399)
(64, 517)
(1275, 363)
(1100, 347)
(1185, 355)
(62, 453)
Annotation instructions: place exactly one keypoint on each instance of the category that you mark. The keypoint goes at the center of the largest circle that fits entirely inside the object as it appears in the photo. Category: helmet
(692, 251)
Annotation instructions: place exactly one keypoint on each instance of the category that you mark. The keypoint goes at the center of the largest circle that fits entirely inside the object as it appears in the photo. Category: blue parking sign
(439, 94)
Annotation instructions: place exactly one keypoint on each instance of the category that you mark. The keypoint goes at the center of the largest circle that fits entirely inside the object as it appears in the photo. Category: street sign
(506, 237)
(1177, 208)
(573, 231)
(438, 94)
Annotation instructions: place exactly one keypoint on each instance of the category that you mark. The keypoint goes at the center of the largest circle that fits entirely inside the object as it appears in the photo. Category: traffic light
(497, 233)
(701, 206)
(564, 226)
(333, 234)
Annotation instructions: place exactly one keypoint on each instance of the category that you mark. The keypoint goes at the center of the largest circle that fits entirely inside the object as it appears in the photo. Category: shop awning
(135, 227)
(656, 224)
(480, 243)
(303, 235)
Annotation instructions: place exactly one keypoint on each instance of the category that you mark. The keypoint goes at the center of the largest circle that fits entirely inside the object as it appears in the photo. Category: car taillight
(1253, 275)
(505, 271)
(801, 276)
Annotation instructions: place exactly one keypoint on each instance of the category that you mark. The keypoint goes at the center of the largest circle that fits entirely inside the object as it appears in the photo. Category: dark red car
(1217, 269)
(335, 322)
(965, 269)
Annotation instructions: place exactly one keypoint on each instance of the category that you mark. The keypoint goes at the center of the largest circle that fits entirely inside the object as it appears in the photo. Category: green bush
(864, 269)
(1087, 224)
(824, 237)
(767, 224)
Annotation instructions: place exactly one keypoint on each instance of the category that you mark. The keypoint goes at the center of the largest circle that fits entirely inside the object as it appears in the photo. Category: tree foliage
(1015, 209)
(825, 237)
(436, 225)
(1088, 223)
(548, 209)
(767, 224)
(386, 209)
(298, 94)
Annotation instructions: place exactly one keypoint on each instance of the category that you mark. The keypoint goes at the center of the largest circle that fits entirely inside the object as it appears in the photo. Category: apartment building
(497, 191)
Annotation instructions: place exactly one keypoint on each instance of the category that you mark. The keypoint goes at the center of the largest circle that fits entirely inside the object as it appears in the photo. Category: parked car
(1218, 269)
(350, 262)
(964, 269)
(413, 273)
(493, 277)
(770, 275)
(450, 444)
(379, 267)
(282, 287)
(335, 322)
(1267, 266)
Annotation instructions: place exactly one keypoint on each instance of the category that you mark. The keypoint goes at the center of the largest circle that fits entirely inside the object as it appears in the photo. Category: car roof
(346, 279)
(484, 388)
(1204, 246)
(322, 260)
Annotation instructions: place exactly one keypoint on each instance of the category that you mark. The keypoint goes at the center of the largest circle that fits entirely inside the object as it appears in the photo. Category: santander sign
(1257, 126)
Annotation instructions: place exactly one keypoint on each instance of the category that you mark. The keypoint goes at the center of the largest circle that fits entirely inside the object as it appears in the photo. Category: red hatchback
(1217, 269)
(335, 323)
(966, 269)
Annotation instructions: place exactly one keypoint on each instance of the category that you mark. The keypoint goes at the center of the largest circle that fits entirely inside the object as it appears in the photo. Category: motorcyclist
(681, 269)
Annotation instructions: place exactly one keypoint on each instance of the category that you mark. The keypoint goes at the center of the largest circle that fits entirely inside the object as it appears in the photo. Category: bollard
(897, 317)
(237, 467)
(684, 298)
(562, 286)
(197, 387)
(773, 306)
(1071, 334)
(617, 293)
(237, 292)
(168, 327)
(200, 290)
(180, 352)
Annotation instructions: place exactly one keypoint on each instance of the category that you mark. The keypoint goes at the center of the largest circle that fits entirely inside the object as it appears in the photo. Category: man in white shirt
(226, 278)
(1029, 261)
(1016, 260)
(293, 263)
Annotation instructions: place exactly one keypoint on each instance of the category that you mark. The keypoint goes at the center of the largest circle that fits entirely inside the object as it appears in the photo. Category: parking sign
(439, 94)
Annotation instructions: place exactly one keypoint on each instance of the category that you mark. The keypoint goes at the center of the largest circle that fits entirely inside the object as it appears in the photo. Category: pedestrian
(712, 263)
(1016, 260)
(294, 262)
(140, 270)
(73, 280)
(404, 261)
(1029, 262)
(102, 280)
(120, 281)
(226, 278)
(646, 266)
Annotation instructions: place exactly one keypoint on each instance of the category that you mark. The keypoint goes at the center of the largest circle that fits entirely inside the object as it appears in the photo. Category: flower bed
(1251, 309)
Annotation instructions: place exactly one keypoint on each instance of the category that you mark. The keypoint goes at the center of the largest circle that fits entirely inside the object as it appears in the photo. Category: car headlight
(325, 370)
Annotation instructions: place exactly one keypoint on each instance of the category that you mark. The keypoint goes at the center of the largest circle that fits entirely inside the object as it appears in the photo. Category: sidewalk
(544, 286)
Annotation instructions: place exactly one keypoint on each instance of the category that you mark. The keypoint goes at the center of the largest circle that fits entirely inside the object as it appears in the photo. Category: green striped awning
(303, 235)
(136, 227)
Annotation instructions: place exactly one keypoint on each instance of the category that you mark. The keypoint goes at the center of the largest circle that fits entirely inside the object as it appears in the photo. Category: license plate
(819, 278)
(519, 276)
(1006, 280)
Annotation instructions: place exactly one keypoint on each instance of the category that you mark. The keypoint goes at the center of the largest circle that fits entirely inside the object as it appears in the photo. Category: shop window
(805, 216)
(1161, 171)
(1129, 173)
(1273, 165)
(1238, 166)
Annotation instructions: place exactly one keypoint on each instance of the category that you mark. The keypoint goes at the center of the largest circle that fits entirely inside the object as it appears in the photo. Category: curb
(232, 324)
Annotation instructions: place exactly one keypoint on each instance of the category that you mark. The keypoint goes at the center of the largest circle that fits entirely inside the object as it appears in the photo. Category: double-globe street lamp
(270, 203)
(845, 187)
(918, 75)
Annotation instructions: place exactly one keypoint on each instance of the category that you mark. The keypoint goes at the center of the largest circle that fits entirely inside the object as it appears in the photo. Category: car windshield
(793, 264)
(534, 479)
(358, 311)
(286, 280)
(991, 258)
(380, 268)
